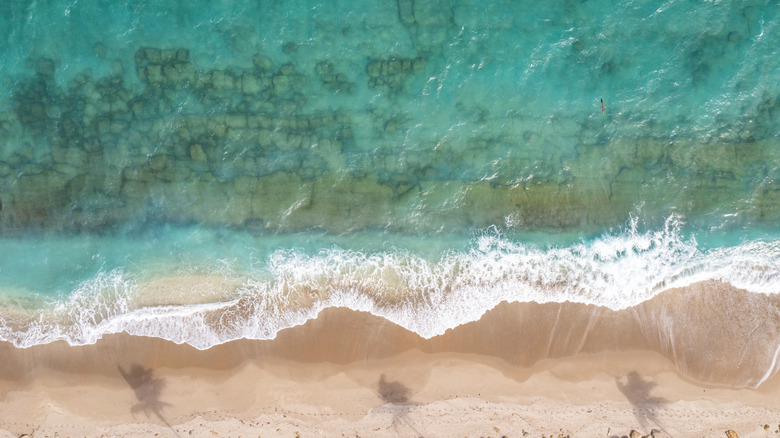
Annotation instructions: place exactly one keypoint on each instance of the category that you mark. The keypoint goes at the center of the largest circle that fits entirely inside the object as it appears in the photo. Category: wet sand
(537, 369)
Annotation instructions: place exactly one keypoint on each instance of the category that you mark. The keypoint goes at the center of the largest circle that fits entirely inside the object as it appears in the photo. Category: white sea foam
(617, 271)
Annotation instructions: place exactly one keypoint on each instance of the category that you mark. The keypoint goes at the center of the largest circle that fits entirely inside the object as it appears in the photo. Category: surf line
(602, 106)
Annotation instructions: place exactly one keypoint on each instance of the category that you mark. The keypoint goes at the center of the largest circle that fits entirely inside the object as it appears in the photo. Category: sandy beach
(350, 373)
(406, 218)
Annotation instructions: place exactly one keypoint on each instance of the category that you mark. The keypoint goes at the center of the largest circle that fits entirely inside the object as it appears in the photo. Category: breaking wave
(615, 271)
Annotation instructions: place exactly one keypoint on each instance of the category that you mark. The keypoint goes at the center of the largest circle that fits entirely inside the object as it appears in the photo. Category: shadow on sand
(397, 396)
(637, 391)
(392, 392)
(147, 390)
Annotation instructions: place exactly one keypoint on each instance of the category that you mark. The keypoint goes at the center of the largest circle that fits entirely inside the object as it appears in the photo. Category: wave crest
(616, 271)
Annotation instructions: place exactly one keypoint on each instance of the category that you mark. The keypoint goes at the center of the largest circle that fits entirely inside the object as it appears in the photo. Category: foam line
(616, 271)
(771, 370)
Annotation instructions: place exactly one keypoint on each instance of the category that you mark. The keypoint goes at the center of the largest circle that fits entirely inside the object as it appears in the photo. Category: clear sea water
(206, 171)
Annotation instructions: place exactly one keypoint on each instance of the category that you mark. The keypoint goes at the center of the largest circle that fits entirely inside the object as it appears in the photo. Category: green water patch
(240, 149)
(597, 189)
(443, 133)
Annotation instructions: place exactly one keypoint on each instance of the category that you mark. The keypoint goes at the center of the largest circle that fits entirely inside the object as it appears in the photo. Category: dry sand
(353, 374)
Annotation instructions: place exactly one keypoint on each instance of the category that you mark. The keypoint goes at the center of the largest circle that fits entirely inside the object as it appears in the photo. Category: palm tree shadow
(637, 391)
(392, 392)
(147, 390)
(397, 395)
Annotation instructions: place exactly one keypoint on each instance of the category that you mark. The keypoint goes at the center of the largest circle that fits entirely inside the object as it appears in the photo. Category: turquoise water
(219, 170)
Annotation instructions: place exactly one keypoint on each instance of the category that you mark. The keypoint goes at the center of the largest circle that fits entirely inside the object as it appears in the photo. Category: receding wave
(616, 271)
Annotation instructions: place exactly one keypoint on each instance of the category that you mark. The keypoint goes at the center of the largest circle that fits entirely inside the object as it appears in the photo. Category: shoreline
(353, 373)
(713, 332)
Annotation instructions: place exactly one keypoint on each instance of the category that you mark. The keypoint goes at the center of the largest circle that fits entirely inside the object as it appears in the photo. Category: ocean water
(210, 171)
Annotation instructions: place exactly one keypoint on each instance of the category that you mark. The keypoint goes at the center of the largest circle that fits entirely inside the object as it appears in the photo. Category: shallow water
(204, 173)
